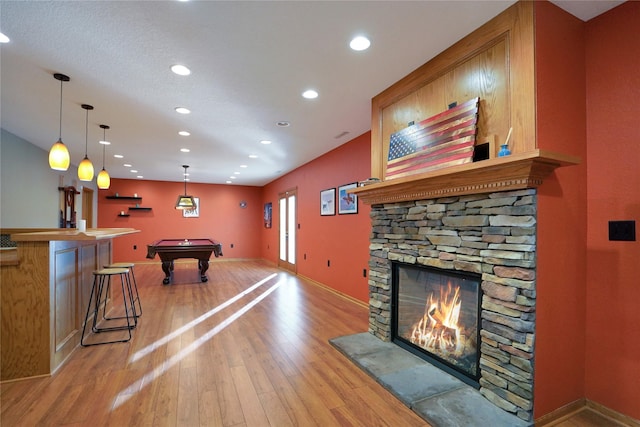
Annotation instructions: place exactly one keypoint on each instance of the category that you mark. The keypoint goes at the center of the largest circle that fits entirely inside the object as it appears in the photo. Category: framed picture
(267, 215)
(347, 203)
(192, 213)
(328, 202)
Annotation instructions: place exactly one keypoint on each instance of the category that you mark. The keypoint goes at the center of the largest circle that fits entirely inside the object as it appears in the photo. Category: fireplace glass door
(435, 314)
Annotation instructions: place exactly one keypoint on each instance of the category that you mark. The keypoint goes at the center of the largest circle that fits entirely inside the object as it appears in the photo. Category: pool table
(171, 249)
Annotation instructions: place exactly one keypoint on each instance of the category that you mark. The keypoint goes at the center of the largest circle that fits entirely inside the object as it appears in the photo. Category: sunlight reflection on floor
(128, 392)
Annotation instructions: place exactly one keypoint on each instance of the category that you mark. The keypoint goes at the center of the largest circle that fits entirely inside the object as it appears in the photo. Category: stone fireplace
(491, 235)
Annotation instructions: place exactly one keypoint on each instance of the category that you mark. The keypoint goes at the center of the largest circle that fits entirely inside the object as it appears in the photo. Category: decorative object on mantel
(59, 158)
(186, 201)
(504, 148)
(446, 139)
(368, 181)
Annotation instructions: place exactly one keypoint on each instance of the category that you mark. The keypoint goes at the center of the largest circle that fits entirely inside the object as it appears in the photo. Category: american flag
(443, 140)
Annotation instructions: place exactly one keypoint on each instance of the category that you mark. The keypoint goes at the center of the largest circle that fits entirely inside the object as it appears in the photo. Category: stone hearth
(491, 234)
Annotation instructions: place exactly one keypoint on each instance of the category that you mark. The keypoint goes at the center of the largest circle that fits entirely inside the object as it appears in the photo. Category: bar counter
(44, 294)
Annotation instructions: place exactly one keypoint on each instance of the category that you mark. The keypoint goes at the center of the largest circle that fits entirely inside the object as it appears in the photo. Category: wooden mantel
(514, 172)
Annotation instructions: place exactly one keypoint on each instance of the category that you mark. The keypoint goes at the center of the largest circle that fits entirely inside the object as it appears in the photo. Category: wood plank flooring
(248, 348)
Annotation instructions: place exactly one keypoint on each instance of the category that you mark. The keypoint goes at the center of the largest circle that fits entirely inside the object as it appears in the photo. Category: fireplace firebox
(435, 315)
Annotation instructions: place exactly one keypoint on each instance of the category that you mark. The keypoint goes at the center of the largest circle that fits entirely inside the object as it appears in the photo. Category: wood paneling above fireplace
(495, 63)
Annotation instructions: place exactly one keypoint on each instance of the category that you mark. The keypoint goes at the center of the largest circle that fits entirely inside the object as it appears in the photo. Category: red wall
(221, 216)
(341, 239)
(562, 222)
(613, 179)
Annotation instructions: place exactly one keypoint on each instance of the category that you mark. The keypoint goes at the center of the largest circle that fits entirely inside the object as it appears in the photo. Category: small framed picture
(267, 215)
(192, 213)
(347, 202)
(328, 202)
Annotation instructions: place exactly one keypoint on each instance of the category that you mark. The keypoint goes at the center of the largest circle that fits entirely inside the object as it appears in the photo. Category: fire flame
(438, 328)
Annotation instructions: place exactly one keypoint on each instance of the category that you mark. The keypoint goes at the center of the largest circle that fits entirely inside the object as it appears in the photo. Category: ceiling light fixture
(4, 38)
(182, 110)
(183, 133)
(360, 43)
(186, 201)
(59, 154)
(118, 156)
(85, 168)
(104, 180)
(185, 150)
(265, 142)
(283, 124)
(180, 70)
(310, 94)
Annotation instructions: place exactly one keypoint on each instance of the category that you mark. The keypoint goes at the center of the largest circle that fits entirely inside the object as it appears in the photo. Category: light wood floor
(248, 348)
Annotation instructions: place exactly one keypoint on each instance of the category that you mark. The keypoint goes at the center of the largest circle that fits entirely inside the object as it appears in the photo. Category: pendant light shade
(59, 154)
(85, 168)
(185, 201)
(104, 180)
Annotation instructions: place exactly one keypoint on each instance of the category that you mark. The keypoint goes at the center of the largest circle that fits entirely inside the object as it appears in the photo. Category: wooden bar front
(44, 295)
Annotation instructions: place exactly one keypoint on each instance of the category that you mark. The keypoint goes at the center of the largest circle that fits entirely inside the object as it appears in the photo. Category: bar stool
(100, 295)
(132, 279)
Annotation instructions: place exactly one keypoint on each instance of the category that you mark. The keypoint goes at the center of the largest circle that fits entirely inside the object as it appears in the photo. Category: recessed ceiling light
(118, 156)
(243, 166)
(185, 150)
(265, 142)
(103, 142)
(134, 171)
(4, 38)
(180, 70)
(283, 124)
(140, 176)
(253, 156)
(360, 43)
(232, 177)
(127, 165)
(310, 94)
(228, 182)
(184, 133)
(236, 173)
(182, 110)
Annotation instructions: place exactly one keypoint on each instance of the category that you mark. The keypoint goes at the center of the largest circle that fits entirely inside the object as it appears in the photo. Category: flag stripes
(443, 140)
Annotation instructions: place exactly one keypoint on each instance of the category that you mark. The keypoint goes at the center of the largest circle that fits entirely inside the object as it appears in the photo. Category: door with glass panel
(287, 225)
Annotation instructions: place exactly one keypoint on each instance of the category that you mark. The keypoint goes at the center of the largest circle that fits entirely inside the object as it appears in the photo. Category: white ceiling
(250, 62)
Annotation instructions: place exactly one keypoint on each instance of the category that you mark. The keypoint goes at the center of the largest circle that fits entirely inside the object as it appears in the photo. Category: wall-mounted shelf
(123, 215)
(125, 197)
(139, 208)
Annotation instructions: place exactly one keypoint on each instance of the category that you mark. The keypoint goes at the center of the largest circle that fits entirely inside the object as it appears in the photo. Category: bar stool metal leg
(130, 309)
(136, 294)
(98, 297)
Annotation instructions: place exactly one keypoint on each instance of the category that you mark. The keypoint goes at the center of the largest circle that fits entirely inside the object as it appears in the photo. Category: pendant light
(104, 180)
(186, 201)
(85, 168)
(59, 154)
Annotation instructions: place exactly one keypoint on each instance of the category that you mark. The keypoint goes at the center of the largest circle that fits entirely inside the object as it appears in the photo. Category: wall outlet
(135, 247)
(231, 246)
